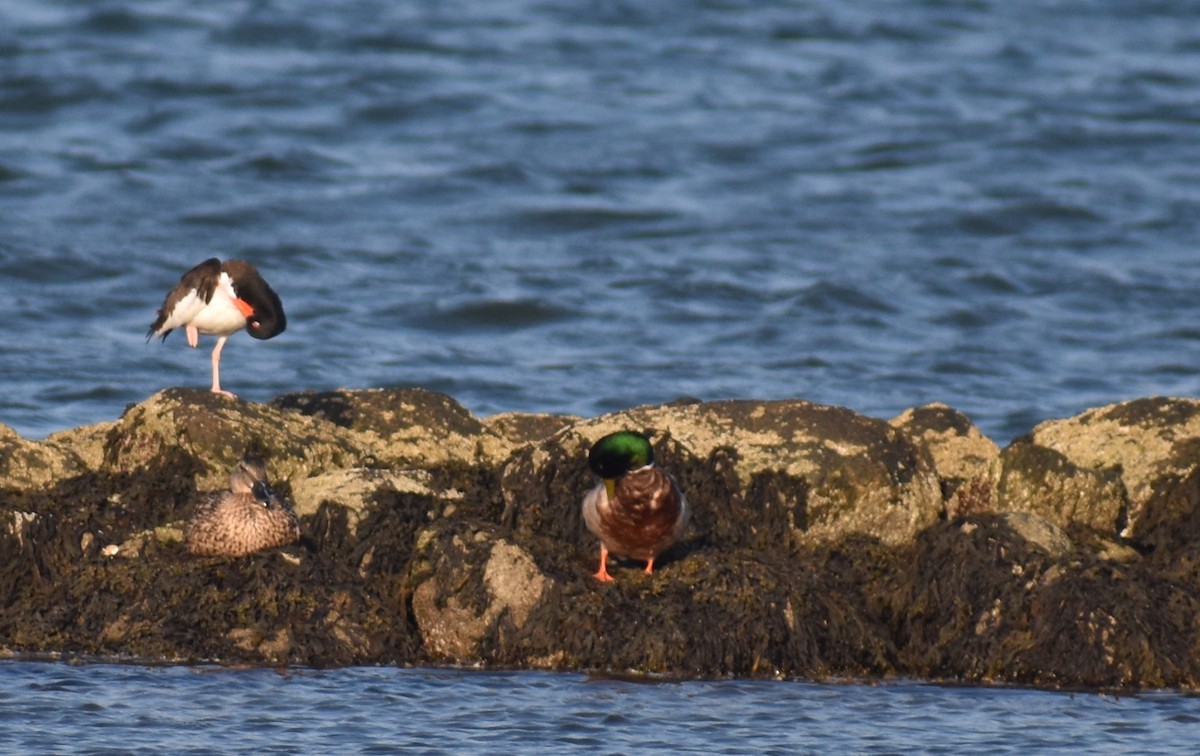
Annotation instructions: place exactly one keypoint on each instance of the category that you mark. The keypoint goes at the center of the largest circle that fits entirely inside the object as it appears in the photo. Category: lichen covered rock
(1042, 481)
(216, 431)
(1153, 446)
(26, 464)
(967, 462)
(407, 427)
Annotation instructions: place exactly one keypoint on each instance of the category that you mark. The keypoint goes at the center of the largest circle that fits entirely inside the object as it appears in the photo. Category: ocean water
(557, 206)
(578, 207)
(102, 709)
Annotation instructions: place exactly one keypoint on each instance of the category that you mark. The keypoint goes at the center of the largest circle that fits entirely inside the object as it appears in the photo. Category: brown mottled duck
(249, 517)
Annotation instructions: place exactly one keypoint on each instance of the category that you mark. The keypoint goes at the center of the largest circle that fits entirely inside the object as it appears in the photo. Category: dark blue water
(127, 709)
(576, 207)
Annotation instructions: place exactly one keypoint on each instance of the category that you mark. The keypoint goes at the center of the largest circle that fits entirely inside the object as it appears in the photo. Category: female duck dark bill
(249, 517)
(220, 298)
(637, 511)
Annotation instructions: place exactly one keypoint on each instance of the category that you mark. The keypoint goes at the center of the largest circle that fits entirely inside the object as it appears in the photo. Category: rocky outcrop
(822, 543)
(770, 474)
(1011, 597)
(26, 464)
(1150, 450)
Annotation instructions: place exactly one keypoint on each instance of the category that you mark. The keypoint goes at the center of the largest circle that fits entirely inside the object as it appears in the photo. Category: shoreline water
(630, 676)
(384, 710)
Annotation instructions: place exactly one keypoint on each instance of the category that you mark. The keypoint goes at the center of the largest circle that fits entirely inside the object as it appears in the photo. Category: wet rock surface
(822, 544)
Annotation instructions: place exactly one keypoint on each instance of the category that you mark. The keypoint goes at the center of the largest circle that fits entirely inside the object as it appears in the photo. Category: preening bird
(637, 510)
(220, 298)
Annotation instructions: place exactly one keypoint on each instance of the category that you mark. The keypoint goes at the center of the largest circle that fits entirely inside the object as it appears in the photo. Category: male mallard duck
(638, 510)
(220, 298)
(249, 517)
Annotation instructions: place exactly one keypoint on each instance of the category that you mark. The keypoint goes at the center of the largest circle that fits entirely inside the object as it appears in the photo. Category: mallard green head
(618, 453)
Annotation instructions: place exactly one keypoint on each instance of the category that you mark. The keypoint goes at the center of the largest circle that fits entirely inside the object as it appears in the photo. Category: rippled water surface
(576, 207)
(123, 709)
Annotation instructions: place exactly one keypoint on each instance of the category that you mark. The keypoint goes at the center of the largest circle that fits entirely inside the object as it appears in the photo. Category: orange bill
(243, 307)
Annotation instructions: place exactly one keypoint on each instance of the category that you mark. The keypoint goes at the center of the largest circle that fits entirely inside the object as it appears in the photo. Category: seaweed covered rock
(1010, 597)
(756, 473)
(1153, 446)
(482, 595)
(967, 594)
(739, 612)
(819, 545)
(275, 607)
(98, 567)
(472, 590)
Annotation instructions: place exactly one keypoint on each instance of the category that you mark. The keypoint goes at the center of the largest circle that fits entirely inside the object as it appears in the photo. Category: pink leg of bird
(602, 573)
(650, 566)
(216, 363)
(193, 335)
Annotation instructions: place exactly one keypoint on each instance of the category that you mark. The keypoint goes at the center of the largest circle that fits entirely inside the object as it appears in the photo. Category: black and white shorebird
(220, 299)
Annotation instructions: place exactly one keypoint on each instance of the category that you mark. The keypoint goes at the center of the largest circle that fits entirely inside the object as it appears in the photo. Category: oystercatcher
(220, 298)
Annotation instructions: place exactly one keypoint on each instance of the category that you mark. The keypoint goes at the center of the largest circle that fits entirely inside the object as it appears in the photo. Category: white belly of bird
(220, 316)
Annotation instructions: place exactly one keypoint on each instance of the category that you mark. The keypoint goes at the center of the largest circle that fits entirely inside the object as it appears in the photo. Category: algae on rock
(823, 543)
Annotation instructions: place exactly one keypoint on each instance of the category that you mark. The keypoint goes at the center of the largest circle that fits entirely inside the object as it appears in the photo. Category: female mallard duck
(249, 517)
(638, 510)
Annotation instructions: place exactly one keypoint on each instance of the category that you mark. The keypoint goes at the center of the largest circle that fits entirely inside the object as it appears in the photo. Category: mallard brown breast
(637, 510)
